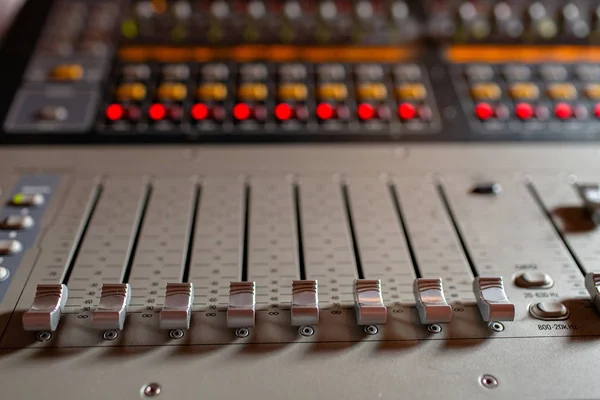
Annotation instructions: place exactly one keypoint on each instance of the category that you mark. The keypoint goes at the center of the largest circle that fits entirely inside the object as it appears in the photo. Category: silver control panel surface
(373, 272)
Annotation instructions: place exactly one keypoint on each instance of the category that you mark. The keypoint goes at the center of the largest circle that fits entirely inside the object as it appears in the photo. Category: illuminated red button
(114, 112)
(365, 112)
(597, 110)
(407, 111)
(157, 112)
(484, 111)
(563, 111)
(324, 111)
(200, 112)
(241, 112)
(524, 111)
(283, 112)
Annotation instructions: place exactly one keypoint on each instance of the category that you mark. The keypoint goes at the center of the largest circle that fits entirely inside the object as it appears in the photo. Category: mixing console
(193, 263)
(372, 271)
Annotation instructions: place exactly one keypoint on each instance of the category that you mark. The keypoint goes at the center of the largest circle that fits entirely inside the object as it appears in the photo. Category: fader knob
(491, 299)
(241, 310)
(368, 302)
(431, 302)
(47, 308)
(305, 303)
(112, 310)
(177, 311)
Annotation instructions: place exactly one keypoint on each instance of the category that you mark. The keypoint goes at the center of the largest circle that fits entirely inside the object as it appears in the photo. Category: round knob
(328, 10)
(467, 11)
(292, 9)
(536, 11)
(364, 10)
(220, 9)
(502, 11)
(400, 10)
(144, 10)
(182, 10)
(257, 9)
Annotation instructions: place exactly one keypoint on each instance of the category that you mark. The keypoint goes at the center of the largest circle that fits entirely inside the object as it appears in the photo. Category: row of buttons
(524, 72)
(135, 98)
(253, 91)
(526, 111)
(16, 222)
(531, 91)
(282, 112)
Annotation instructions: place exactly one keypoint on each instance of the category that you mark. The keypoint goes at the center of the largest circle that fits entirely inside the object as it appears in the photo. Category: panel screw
(371, 330)
(496, 326)
(176, 333)
(489, 381)
(306, 330)
(43, 336)
(110, 335)
(151, 390)
(434, 328)
(242, 332)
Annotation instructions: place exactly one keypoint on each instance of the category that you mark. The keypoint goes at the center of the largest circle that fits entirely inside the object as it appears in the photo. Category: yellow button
(333, 91)
(486, 91)
(292, 91)
(371, 91)
(253, 91)
(524, 91)
(172, 92)
(562, 91)
(131, 92)
(212, 91)
(593, 91)
(411, 91)
(67, 72)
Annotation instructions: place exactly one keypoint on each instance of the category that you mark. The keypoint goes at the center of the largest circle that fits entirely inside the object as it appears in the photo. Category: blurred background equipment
(300, 199)
(247, 70)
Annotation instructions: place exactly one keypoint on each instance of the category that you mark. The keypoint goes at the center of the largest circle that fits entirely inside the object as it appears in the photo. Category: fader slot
(328, 252)
(55, 261)
(380, 241)
(507, 234)
(106, 250)
(272, 246)
(559, 198)
(216, 257)
(436, 247)
(162, 245)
